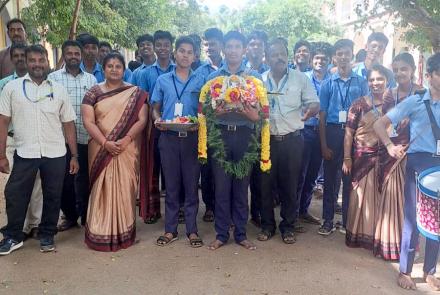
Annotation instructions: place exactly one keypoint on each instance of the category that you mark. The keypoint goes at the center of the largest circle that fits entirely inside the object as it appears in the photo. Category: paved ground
(314, 265)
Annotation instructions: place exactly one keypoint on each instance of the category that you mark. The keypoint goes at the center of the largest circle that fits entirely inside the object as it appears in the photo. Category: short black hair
(15, 21)
(18, 46)
(213, 33)
(113, 55)
(379, 37)
(378, 68)
(197, 40)
(321, 48)
(301, 43)
(163, 35)
(86, 38)
(278, 41)
(433, 63)
(142, 38)
(343, 43)
(133, 65)
(105, 44)
(36, 48)
(406, 58)
(185, 40)
(235, 35)
(361, 55)
(72, 43)
(258, 35)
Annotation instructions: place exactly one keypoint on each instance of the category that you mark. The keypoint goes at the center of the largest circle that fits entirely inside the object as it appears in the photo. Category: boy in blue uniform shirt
(336, 97)
(175, 94)
(231, 194)
(423, 153)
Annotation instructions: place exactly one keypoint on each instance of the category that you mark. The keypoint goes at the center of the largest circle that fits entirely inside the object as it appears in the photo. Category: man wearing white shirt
(43, 121)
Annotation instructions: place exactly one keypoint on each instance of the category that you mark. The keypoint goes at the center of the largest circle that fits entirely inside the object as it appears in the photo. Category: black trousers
(18, 192)
(207, 183)
(286, 157)
(76, 188)
(255, 188)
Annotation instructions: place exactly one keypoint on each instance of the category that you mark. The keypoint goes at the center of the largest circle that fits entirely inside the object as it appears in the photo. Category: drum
(428, 203)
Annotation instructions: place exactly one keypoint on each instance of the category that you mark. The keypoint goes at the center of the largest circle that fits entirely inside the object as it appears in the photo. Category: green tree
(291, 19)
(420, 17)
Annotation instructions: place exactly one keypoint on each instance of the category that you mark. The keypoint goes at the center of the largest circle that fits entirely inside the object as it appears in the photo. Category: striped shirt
(76, 88)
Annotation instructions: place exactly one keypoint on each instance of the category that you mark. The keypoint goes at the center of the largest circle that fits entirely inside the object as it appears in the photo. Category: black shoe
(8, 245)
(309, 218)
(47, 244)
(326, 229)
(67, 224)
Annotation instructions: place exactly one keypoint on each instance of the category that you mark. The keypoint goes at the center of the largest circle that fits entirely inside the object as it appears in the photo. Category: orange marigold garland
(234, 91)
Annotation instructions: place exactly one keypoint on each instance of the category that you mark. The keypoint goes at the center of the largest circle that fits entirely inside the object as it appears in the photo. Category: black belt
(232, 128)
(340, 125)
(10, 133)
(286, 136)
(179, 133)
(312, 127)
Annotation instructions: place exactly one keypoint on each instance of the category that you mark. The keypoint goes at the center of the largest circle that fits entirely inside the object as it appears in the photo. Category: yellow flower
(265, 163)
(202, 145)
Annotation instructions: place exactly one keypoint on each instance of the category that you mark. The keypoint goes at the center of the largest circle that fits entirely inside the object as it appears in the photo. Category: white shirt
(37, 113)
(76, 86)
(295, 93)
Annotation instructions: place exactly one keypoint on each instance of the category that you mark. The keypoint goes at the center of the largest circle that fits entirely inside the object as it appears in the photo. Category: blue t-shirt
(169, 87)
(98, 72)
(421, 136)
(337, 95)
(317, 85)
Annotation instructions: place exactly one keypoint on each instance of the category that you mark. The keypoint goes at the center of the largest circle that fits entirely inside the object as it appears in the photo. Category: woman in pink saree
(115, 115)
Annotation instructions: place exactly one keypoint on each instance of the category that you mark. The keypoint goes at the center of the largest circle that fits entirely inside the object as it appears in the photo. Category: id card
(393, 132)
(342, 116)
(178, 109)
(438, 148)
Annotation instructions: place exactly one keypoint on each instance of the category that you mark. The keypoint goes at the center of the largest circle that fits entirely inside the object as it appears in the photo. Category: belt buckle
(232, 127)
(183, 134)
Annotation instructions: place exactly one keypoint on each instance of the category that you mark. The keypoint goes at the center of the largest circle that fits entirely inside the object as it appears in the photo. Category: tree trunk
(72, 33)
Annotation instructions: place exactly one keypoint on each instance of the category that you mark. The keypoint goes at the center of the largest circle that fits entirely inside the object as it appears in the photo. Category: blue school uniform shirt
(167, 94)
(263, 67)
(317, 86)
(136, 74)
(149, 75)
(330, 98)
(361, 70)
(207, 69)
(98, 72)
(242, 70)
(421, 136)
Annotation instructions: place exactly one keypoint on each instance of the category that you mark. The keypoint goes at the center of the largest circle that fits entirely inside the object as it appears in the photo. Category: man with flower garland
(231, 193)
(290, 95)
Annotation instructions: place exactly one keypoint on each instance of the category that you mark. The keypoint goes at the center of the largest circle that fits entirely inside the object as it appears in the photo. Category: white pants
(35, 208)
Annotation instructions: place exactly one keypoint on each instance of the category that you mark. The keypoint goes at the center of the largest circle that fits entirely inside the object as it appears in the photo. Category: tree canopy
(421, 18)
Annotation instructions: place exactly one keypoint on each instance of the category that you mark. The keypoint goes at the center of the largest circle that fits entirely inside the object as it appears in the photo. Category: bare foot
(432, 282)
(248, 245)
(215, 245)
(406, 282)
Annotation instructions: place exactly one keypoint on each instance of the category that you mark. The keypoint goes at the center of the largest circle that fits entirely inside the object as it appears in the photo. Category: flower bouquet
(179, 123)
(231, 93)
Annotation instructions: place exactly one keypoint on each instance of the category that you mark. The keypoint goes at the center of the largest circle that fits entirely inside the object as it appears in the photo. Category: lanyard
(375, 110)
(41, 98)
(157, 70)
(283, 83)
(344, 99)
(184, 87)
(397, 99)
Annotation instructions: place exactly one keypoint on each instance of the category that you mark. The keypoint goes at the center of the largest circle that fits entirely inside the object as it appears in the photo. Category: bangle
(347, 158)
(74, 156)
(131, 138)
(103, 145)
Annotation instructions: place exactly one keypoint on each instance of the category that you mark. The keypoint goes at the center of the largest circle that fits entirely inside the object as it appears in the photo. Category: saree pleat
(114, 180)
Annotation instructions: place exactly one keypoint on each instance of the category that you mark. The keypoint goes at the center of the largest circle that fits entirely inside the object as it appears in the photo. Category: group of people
(87, 140)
